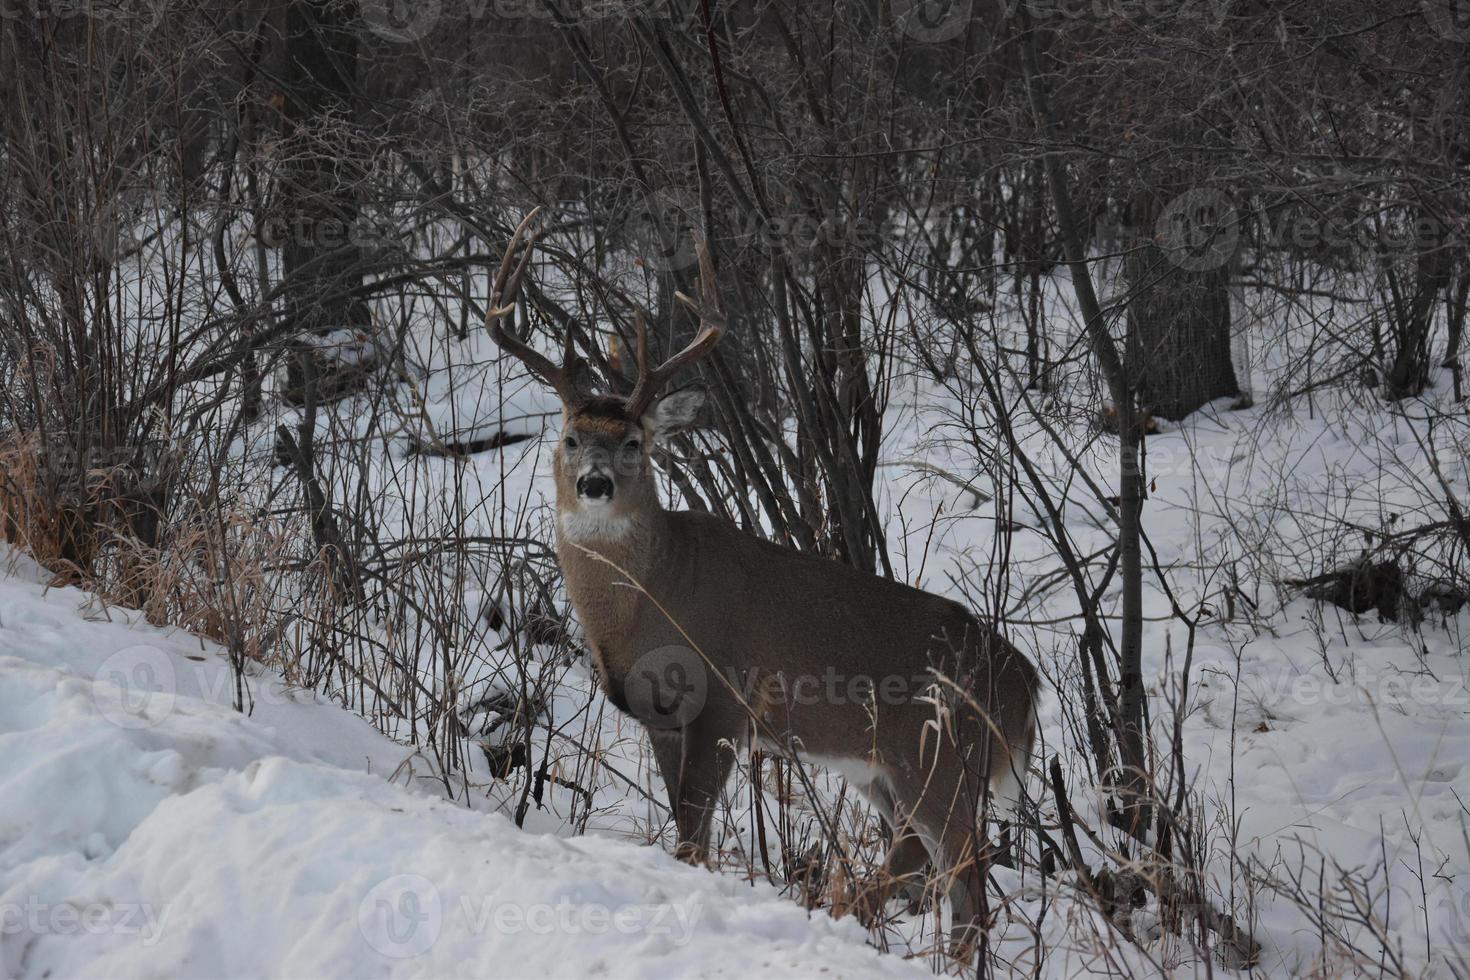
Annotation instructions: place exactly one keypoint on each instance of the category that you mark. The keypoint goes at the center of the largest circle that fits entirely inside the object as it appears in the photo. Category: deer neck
(606, 559)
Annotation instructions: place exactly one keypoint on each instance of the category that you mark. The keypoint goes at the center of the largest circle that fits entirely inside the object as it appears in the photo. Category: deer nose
(594, 486)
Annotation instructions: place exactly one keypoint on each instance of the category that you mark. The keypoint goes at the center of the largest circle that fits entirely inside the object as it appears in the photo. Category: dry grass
(218, 574)
(52, 517)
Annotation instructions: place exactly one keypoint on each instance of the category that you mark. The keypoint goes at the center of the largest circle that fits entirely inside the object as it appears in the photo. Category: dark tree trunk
(1413, 321)
(321, 253)
(1458, 302)
(1178, 324)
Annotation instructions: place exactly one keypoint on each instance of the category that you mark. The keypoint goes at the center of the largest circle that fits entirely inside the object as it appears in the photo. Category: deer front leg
(668, 751)
(705, 766)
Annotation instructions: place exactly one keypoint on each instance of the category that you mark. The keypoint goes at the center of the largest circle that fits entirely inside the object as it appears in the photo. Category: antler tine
(708, 307)
(709, 291)
(711, 325)
(508, 282)
(640, 347)
(503, 302)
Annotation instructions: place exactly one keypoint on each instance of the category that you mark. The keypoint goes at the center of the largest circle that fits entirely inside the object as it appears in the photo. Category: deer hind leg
(903, 868)
(944, 801)
(965, 880)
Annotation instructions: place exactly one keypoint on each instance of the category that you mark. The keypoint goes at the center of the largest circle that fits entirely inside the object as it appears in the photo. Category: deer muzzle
(594, 486)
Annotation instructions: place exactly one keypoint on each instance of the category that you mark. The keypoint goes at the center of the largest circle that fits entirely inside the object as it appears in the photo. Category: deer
(716, 639)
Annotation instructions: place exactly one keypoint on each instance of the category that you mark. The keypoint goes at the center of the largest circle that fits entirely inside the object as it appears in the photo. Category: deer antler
(503, 303)
(711, 325)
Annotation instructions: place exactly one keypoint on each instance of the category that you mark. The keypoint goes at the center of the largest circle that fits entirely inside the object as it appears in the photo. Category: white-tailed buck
(714, 638)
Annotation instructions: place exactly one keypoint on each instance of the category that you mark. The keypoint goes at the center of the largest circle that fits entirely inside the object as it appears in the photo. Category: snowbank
(148, 829)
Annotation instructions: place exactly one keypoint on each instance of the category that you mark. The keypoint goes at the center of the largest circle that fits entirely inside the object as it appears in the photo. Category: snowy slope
(148, 829)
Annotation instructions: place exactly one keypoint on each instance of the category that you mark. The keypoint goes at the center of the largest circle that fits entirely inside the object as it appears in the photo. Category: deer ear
(581, 375)
(675, 411)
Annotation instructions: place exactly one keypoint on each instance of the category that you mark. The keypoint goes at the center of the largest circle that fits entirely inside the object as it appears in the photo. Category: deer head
(603, 463)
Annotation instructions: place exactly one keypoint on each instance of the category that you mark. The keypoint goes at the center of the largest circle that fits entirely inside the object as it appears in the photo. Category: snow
(1314, 740)
(149, 829)
(1325, 751)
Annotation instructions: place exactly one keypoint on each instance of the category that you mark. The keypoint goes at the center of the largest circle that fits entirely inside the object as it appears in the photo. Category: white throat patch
(594, 523)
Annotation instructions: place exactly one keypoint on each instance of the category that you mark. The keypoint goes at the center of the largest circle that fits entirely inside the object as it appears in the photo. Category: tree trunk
(1413, 322)
(1178, 324)
(321, 252)
(1458, 302)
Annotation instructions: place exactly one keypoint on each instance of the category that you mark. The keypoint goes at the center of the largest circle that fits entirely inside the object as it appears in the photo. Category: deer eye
(570, 442)
(632, 445)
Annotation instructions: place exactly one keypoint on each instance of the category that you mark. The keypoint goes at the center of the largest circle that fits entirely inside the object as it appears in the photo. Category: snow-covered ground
(148, 829)
(1326, 756)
